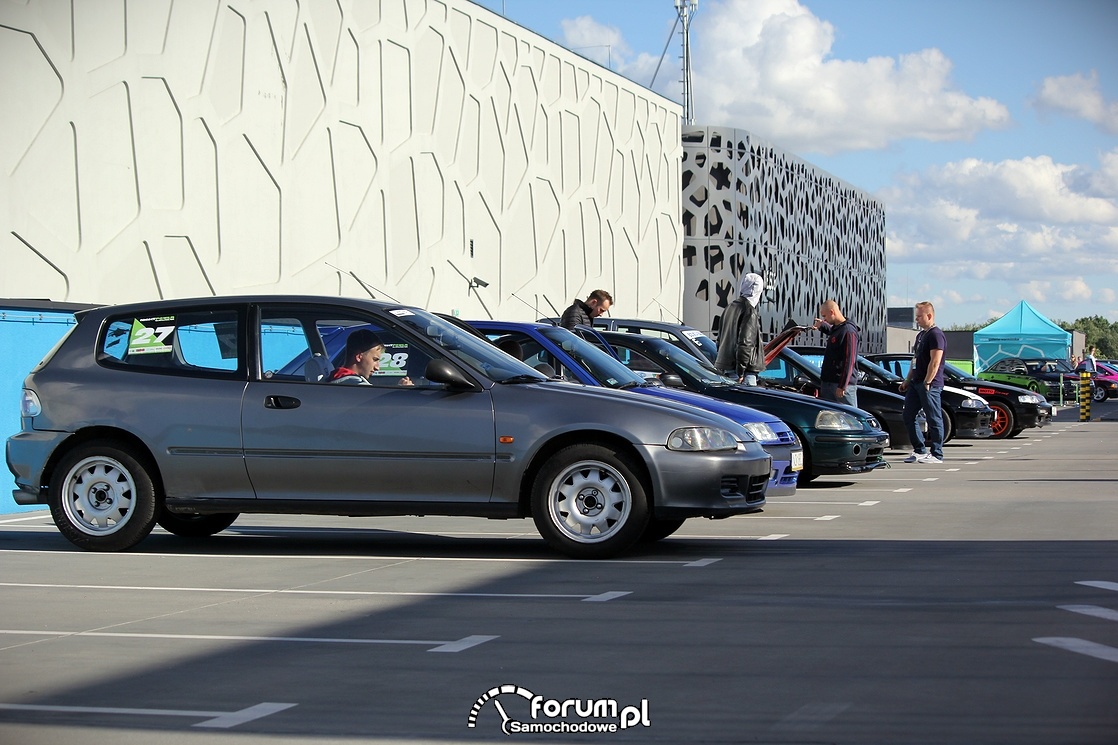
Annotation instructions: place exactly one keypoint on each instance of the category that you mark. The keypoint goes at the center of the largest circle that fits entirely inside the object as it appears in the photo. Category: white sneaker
(928, 458)
(914, 458)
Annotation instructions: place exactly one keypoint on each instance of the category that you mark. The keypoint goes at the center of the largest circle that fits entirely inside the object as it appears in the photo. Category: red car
(1104, 383)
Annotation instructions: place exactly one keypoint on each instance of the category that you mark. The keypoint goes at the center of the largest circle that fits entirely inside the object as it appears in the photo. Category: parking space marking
(1100, 584)
(828, 517)
(85, 556)
(216, 719)
(25, 519)
(702, 563)
(1107, 614)
(438, 645)
(903, 490)
(293, 591)
(1080, 646)
(853, 504)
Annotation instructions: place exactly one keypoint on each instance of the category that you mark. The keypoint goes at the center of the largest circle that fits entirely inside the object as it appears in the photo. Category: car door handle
(281, 402)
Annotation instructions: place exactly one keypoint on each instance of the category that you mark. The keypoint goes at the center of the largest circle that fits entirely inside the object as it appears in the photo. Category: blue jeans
(829, 392)
(919, 396)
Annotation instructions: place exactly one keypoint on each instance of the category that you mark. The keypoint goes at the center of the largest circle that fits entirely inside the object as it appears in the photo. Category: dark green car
(837, 438)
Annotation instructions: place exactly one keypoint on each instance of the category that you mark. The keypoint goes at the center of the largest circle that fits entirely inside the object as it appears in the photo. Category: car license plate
(798, 460)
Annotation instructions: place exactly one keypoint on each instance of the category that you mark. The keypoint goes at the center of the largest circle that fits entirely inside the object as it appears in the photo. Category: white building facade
(400, 148)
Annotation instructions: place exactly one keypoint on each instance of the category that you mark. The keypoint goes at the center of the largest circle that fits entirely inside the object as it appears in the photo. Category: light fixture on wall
(472, 283)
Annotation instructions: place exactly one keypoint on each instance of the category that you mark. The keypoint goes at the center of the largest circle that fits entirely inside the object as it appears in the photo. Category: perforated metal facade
(750, 206)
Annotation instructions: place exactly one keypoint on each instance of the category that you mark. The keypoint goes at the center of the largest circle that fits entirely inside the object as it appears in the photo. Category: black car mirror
(442, 372)
(671, 380)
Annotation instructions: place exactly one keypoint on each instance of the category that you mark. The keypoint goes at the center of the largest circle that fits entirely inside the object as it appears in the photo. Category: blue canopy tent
(1022, 332)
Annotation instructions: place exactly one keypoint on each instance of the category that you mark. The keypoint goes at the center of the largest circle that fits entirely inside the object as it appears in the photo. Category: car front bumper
(971, 424)
(837, 453)
(714, 484)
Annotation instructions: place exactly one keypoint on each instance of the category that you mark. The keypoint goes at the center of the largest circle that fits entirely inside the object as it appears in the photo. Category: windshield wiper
(522, 378)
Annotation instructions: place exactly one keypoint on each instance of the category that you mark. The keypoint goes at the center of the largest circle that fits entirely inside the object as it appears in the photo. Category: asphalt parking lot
(971, 602)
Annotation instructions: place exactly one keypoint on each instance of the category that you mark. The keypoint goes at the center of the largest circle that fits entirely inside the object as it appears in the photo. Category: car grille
(787, 437)
(750, 487)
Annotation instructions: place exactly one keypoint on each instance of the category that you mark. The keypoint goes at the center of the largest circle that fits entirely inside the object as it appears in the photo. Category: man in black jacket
(584, 313)
(740, 352)
(840, 357)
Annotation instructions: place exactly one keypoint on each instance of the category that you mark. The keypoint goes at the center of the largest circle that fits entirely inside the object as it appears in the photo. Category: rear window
(189, 343)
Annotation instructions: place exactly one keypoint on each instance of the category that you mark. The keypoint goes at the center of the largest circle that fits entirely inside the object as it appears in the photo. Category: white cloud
(595, 41)
(1079, 95)
(766, 66)
(1075, 289)
(1025, 227)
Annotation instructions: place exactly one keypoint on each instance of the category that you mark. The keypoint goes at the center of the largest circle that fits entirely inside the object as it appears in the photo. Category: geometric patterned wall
(172, 148)
(750, 206)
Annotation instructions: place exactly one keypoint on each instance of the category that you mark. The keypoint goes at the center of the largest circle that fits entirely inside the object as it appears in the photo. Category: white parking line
(271, 591)
(24, 519)
(85, 556)
(1092, 610)
(216, 719)
(870, 503)
(1101, 584)
(1081, 646)
(439, 646)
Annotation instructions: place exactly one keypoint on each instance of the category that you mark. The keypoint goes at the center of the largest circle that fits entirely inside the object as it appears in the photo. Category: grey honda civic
(187, 413)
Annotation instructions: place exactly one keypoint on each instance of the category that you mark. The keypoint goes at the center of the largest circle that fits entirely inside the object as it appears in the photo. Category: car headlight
(972, 403)
(838, 421)
(1031, 398)
(760, 431)
(29, 405)
(701, 439)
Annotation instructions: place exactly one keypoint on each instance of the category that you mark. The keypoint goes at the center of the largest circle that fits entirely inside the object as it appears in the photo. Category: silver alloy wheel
(589, 501)
(97, 495)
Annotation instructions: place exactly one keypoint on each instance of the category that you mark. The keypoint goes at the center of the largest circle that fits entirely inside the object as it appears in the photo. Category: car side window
(189, 343)
(308, 346)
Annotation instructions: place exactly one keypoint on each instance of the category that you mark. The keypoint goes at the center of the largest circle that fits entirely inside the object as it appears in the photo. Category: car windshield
(475, 351)
(685, 364)
(1048, 366)
(878, 370)
(956, 373)
(608, 371)
(703, 342)
(798, 359)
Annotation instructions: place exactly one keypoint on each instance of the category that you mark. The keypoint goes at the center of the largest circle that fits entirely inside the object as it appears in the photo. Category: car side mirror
(442, 372)
(671, 380)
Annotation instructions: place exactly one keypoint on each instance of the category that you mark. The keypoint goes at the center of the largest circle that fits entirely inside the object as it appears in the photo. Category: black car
(965, 415)
(837, 439)
(790, 371)
(1015, 409)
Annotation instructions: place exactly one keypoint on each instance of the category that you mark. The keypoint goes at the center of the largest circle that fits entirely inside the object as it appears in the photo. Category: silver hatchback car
(186, 413)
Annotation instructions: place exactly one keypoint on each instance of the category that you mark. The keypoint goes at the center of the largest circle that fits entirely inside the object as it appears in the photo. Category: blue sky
(988, 128)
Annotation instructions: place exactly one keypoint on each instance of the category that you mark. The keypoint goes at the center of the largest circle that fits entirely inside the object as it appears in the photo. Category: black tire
(1017, 431)
(948, 425)
(589, 502)
(102, 497)
(658, 530)
(807, 473)
(1004, 421)
(196, 526)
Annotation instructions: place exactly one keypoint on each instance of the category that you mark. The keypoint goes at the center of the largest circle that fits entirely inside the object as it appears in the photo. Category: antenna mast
(685, 9)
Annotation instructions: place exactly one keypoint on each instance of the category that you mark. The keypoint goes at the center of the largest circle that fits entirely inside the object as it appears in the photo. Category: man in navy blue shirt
(923, 388)
(840, 356)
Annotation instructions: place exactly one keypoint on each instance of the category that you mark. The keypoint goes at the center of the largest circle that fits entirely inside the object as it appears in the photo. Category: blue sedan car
(566, 355)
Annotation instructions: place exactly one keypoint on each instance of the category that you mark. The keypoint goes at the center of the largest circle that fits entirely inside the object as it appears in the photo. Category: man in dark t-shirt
(923, 388)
